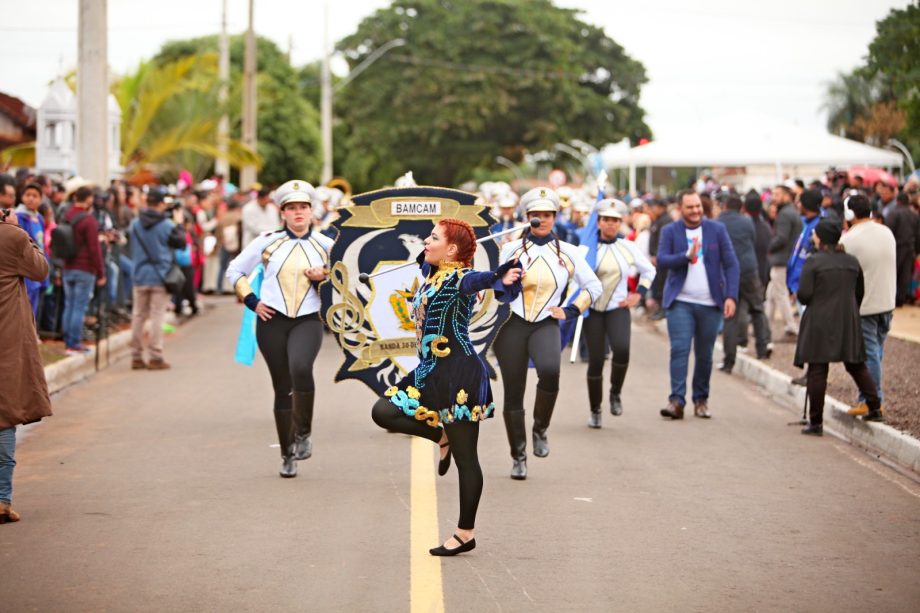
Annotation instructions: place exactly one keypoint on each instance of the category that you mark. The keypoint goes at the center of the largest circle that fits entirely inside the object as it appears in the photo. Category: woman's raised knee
(382, 412)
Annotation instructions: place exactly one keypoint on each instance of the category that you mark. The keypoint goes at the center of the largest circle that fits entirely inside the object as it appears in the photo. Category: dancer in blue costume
(448, 394)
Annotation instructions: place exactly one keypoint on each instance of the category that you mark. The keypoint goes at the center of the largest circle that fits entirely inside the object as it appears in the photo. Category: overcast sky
(704, 59)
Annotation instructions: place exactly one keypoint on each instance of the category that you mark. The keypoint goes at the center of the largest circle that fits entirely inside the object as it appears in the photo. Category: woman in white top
(288, 330)
(609, 319)
(532, 331)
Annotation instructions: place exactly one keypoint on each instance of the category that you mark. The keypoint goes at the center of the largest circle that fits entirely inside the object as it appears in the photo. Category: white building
(56, 130)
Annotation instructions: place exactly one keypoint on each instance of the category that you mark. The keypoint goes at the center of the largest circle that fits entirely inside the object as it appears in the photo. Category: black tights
(289, 347)
(463, 437)
(613, 327)
(817, 385)
(520, 341)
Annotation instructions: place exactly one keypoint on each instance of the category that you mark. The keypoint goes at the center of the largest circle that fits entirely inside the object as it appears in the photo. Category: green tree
(895, 53)
(287, 124)
(477, 79)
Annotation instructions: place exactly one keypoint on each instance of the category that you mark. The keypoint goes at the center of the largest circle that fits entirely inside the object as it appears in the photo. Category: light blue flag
(246, 343)
(587, 237)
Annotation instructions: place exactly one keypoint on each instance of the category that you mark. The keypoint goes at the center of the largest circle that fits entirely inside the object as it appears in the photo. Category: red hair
(461, 234)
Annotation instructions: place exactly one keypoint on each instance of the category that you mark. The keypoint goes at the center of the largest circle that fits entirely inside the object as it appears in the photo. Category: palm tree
(849, 98)
(170, 115)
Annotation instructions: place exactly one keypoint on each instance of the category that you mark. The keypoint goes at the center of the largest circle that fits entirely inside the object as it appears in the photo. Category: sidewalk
(76, 368)
(894, 448)
(906, 324)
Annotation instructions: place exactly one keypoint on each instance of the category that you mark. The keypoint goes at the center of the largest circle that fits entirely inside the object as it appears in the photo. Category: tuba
(342, 184)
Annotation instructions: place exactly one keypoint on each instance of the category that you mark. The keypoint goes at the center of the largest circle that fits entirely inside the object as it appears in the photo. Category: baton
(365, 278)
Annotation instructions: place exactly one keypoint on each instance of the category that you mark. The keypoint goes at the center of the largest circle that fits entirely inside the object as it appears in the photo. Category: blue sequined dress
(451, 382)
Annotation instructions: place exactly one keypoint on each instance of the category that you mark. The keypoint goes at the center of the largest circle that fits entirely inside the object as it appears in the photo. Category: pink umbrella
(872, 175)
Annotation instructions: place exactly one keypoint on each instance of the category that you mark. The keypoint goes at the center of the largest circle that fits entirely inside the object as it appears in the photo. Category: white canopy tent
(747, 141)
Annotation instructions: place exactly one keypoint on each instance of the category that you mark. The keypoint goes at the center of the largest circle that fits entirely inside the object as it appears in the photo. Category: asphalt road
(158, 491)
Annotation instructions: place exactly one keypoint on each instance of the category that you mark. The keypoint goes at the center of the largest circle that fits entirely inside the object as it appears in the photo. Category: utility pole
(326, 101)
(221, 165)
(248, 173)
(93, 93)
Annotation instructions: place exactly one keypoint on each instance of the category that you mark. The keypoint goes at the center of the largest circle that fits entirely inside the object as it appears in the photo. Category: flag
(246, 343)
(587, 237)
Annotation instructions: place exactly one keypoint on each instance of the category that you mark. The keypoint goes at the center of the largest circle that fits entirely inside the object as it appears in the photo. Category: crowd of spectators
(97, 264)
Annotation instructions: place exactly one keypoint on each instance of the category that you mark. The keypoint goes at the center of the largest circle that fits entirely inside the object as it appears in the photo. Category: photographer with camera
(154, 235)
(23, 391)
(7, 192)
(108, 239)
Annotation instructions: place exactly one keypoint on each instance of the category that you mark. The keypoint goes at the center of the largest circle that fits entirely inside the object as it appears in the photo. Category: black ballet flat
(444, 464)
(464, 547)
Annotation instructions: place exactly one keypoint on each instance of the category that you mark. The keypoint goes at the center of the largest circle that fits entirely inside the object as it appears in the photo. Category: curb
(76, 368)
(880, 440)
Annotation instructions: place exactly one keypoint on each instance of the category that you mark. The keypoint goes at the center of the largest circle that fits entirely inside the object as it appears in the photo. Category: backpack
(64, 238)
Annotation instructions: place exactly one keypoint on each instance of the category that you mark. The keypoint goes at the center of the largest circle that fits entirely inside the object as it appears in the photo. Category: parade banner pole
(576, 339)
(365, 278)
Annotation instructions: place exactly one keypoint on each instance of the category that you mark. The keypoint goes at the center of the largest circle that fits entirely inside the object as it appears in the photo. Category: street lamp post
(575, 153)
(584, 145)
(221, 165)
(904, 151)
(326, 90)
(248, 172)
(514, 168)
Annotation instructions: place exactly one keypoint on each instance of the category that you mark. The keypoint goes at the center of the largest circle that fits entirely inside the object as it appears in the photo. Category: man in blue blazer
(701, 288)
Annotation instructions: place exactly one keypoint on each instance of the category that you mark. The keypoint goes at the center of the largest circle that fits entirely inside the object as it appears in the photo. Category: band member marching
(532, 331)
(448, 393)
(609, 319)
(288, 329)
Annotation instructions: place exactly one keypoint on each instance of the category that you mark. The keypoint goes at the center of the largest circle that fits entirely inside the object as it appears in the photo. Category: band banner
(374, 325)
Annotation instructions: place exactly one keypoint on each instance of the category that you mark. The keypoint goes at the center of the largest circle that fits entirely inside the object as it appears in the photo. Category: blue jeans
(111, 281)
(127, 277)
(78, 291)
(875, 330)
(35, 296)
(7, 462)
(697, 324)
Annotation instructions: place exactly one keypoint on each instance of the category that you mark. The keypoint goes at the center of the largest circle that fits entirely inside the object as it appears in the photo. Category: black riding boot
(517, 439)
(284, 422)
(617, 376)
(542, 414)
(595, 394)
(303, 424)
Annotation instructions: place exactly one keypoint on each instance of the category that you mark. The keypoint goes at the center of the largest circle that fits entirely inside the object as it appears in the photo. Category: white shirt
(614, 263)
(546, 279)
(285, 287)
(696, 287)
(257, 220)
(876, 249)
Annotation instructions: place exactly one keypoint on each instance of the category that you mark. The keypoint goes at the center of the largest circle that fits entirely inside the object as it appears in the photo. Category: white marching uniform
(546, 280)
(285, 287)
(615, 260)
